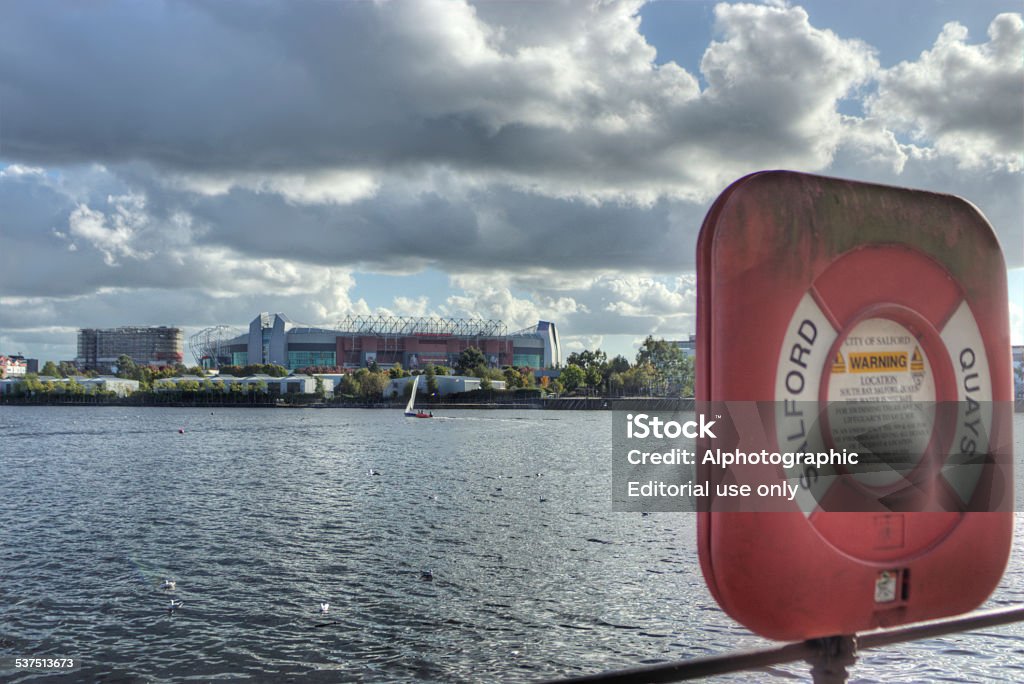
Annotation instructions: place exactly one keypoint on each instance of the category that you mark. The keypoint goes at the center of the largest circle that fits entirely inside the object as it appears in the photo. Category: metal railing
(829, 657)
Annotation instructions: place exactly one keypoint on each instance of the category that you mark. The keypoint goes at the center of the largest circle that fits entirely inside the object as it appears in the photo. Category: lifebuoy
(870, 319)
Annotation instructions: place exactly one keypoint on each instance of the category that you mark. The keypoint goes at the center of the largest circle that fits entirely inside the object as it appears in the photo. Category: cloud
(408, 306)
(647, 297)
(113, 233)
(578, 343)
(967, 99)
(323, 187)
(317, 105)
(482, 297)
(539, 155)
(774, 82)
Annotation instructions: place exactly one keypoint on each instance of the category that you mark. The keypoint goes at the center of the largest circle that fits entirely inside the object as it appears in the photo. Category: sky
(193, 163)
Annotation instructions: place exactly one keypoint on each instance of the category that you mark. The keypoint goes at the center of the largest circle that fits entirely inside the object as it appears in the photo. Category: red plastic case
(867, 265)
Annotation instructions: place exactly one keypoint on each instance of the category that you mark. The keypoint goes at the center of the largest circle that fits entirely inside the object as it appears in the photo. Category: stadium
(360, 341)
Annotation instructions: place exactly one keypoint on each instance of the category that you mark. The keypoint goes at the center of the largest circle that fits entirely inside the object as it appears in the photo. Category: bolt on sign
(838, 317)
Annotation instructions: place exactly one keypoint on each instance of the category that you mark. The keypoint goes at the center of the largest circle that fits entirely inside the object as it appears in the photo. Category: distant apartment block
(688, 346)
(147, 346)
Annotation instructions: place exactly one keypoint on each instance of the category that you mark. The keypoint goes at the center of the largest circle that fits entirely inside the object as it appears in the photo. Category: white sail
(412, 397)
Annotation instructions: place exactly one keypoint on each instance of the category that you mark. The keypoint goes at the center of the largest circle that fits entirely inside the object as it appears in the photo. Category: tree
(188, 385)
(319, 388)
(470, 358)
(620, 364)
(50, 368)
(513, 378)
(372, 385)
(587, 359)
(572, 377)
(349, 386)
(68, 369)
(673, 369)
(431, 381)
(483, 371)
(397, 372)
(126, 367)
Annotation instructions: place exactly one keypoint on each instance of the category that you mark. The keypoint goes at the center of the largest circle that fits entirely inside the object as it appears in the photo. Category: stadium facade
(99, 349)
(359, 341)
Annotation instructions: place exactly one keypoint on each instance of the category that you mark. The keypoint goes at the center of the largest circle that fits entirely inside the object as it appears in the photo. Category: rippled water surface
(261, 515)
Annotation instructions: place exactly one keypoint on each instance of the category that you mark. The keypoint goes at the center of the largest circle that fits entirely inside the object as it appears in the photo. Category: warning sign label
(880, 360)
(873, 362)
(882, 403)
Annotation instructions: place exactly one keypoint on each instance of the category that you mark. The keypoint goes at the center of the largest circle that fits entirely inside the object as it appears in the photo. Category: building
(291, 384)
(688, 346)
(446, 384)
(119, 386)
(31, 365)
(147, 346)
(13, 367)
(360, 341)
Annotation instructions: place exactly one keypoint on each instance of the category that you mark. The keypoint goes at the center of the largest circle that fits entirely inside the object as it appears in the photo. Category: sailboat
(410, 412)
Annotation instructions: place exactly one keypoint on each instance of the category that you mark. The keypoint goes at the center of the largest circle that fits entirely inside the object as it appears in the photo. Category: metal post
(831, 658)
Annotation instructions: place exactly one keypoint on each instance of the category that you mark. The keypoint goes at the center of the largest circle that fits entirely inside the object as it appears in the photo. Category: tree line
(661, 369)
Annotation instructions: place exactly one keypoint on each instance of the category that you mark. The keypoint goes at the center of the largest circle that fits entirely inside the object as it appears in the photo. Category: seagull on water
(174, 605)
(169, 585)
(427, 575)
(324, 607)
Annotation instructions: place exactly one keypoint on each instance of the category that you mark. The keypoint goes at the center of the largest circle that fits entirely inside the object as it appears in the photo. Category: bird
(169, 585)
(324, 607)
(374, 472)
(427, 575)
(174, 605)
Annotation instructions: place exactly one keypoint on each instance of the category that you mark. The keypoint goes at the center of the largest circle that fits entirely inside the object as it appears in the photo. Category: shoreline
(666, 404)
(560, 404)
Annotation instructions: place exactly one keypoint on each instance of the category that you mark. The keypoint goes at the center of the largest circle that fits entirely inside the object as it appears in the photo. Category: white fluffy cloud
(114, 233)
(966, 100)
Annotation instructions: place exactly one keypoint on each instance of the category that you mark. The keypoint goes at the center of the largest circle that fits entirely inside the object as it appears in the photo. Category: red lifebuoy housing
(852, 314)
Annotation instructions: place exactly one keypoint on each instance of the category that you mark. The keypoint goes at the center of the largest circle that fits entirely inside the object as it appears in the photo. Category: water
(260, 515)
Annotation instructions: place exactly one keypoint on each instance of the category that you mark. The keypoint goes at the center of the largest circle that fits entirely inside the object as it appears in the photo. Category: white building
(106, 383)
(290, 384)
(446, 384)
(12, 368)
